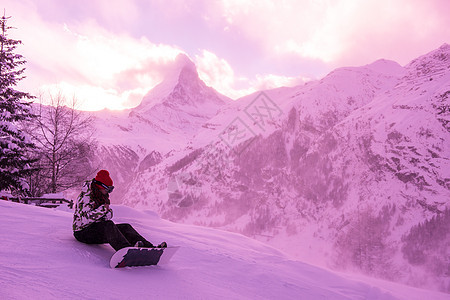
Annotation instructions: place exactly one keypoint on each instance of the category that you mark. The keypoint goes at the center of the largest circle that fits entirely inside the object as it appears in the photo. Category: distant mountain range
(352, 169)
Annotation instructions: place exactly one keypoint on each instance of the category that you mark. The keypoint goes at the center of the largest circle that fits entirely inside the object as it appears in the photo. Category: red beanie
(103, 177)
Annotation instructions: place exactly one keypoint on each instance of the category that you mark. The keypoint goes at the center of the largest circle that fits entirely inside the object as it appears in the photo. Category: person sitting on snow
(92, 222)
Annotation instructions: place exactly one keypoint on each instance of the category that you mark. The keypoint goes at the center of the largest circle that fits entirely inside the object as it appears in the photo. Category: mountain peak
(183, 90)
(185, 71)
(182, 70)
(184, 63)
(387, 67)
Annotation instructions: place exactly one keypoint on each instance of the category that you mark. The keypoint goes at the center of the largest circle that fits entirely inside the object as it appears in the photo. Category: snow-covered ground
(40, 259)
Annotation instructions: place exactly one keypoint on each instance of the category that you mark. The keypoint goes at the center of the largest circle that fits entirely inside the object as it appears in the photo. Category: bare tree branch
(64, 138)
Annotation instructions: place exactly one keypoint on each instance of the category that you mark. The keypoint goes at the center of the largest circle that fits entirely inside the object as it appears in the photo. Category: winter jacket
(88, 210)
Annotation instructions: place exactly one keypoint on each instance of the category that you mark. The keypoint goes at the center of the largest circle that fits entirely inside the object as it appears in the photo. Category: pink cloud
(345, 31)
(101, 68)
(403, 31)
(218, 73)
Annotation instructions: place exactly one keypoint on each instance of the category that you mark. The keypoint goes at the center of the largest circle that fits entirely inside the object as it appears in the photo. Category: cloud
(119, 14)
(343, 31)
(97, 66)
(114, 67)
(92, 98)
(218, 73)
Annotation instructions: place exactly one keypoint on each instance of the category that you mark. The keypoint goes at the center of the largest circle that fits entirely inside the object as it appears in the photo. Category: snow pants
(117, 235)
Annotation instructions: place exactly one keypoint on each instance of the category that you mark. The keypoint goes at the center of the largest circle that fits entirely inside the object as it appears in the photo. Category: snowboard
(136, 256)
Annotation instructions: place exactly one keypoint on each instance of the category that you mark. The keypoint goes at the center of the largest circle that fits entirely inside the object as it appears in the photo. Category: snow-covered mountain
(351, 170)
(168, 116)
(40, 259)
(180, 104)
(166, 120)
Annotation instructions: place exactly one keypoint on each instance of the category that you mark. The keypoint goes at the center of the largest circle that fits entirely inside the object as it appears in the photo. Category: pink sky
(111, 53)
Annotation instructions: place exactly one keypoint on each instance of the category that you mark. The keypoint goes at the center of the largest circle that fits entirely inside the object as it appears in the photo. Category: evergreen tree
(14, 144)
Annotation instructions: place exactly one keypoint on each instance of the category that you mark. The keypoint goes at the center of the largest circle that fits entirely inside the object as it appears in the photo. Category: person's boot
(162, 245)
(139, 244)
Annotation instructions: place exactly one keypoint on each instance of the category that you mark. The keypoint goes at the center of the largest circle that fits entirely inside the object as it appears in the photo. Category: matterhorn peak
(183, 62)
(182, 69)
(183, 87)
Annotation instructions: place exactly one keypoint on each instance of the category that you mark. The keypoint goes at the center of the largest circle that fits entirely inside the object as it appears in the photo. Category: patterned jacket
(87, 211)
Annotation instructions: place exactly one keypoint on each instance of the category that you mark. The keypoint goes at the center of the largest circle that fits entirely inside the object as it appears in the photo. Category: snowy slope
(40, 259)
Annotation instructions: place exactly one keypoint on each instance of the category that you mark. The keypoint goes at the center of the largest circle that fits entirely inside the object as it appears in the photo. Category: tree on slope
(14, 144)
(65, 147)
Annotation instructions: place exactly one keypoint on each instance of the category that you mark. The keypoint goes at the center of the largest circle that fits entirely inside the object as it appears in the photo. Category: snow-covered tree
(14, 144)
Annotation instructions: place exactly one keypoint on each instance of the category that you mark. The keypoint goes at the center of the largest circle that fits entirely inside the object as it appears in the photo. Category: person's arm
(97, 214)
(109, 213)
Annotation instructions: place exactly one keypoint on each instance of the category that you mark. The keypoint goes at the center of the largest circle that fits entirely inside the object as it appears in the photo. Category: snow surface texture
(40, 259)
(336, 172)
